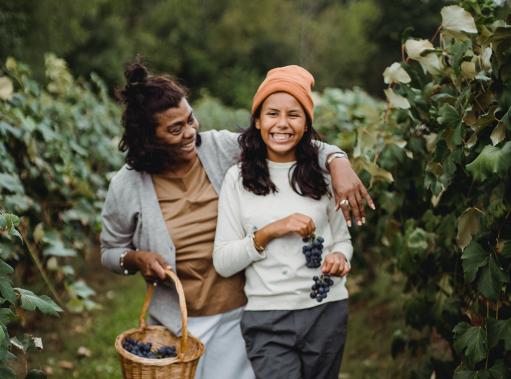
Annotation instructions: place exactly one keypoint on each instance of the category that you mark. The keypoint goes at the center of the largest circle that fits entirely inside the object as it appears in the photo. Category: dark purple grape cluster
(144, 349)
(313, 251)
(321, 287)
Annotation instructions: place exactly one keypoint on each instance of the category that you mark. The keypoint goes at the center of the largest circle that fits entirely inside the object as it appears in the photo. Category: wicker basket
(189, 349)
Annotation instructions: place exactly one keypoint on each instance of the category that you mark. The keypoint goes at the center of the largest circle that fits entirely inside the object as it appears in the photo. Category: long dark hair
(143, 96)
(307, 178)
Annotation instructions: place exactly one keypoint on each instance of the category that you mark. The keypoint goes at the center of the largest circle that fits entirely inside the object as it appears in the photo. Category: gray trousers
(296, 344)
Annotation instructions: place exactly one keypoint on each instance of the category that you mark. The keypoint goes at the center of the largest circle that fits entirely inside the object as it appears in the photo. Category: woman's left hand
(350, 192)
(335, 264)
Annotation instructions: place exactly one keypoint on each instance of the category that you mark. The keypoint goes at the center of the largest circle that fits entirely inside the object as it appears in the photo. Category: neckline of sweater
(280, 165)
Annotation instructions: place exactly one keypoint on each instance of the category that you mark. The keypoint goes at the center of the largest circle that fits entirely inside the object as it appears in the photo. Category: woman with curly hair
(161, 211)
(294, 323)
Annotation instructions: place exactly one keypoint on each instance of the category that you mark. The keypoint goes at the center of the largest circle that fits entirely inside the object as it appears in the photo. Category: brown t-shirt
(189, 205)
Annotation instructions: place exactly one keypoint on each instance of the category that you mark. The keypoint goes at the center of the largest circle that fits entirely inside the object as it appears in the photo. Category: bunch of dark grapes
(321, 287)
(313, 251)
(143, 349)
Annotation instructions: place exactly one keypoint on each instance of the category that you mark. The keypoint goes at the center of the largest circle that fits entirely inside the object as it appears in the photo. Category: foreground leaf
(490, 161)
(30, 302)
(457, 19)
(473, 258)
(472, 341)
(468, 226)
(491, 280)
(395, 73)
(499, 330)
(395, 100)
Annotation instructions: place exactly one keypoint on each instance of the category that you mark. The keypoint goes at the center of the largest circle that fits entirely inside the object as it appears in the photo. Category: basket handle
(182, 306)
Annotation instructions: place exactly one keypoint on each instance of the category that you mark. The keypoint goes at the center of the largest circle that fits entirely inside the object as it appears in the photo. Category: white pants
(225, 356)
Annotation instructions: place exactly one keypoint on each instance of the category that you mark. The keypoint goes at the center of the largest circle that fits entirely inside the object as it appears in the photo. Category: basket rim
(154, 361)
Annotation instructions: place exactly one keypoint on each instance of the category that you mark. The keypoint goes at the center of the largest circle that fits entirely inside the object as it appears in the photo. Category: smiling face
(282, 123)
(177, 128)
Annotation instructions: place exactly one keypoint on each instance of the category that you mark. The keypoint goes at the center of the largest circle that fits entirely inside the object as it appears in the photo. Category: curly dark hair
(307, 179)
(144, 96)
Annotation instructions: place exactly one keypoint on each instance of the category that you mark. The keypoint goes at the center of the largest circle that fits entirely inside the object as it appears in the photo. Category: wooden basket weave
(189, 349)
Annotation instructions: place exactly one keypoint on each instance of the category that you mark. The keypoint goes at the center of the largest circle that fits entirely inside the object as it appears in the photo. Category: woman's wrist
(128, 261)
(262, 237)
(335, 156)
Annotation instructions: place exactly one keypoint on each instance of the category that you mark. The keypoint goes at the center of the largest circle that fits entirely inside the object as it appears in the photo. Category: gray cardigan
(132, 218)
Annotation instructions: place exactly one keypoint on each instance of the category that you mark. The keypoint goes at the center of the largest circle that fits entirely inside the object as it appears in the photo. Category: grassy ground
(121, 299)
(375, 312)
(374, 315)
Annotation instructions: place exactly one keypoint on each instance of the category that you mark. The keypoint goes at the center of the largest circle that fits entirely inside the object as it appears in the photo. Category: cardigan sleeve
(227, 147)
(234, 249)
(324, 151)
(117, 229)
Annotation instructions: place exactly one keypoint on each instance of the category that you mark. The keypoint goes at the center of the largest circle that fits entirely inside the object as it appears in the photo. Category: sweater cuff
(345, 248)
(253, 254)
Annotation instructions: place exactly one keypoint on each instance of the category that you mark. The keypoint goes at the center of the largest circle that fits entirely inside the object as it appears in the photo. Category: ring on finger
(344, 202)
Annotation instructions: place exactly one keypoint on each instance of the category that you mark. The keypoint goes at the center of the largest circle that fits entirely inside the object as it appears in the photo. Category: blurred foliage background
(344, 43)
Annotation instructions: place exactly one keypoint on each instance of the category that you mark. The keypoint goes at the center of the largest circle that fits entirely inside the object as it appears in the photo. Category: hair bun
(136, 73)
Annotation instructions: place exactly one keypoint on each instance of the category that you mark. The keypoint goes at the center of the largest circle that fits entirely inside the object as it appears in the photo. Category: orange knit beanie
(294, 80)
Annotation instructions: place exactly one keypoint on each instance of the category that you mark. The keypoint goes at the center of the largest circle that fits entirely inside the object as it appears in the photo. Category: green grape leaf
(492, 160)
(473, 258)
(499, 330)
(57, 249)
(448, 116)
(471, 340)
(499, 370)
(3, 334)
(6, 128)
(491, 280)
(81, 289)
(468, 226)
(6, 315)
(5, 268)
(11, 183)
(6, 289)
(31, 302)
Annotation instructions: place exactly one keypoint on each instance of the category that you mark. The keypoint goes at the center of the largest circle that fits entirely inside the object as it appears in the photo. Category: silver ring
(155, 284)
(344, 202)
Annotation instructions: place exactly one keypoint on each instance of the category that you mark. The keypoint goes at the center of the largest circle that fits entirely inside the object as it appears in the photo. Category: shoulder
(125, 181)
(233, 176)
(219, 136)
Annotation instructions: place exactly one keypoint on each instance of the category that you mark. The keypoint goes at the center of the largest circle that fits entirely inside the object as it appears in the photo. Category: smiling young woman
(276, 196)
(282, 124)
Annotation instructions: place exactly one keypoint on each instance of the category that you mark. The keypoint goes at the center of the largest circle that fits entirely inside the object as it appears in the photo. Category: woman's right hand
(151, 265)
(295, 223)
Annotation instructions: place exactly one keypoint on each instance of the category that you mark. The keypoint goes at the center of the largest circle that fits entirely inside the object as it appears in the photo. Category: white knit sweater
(276, 279)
